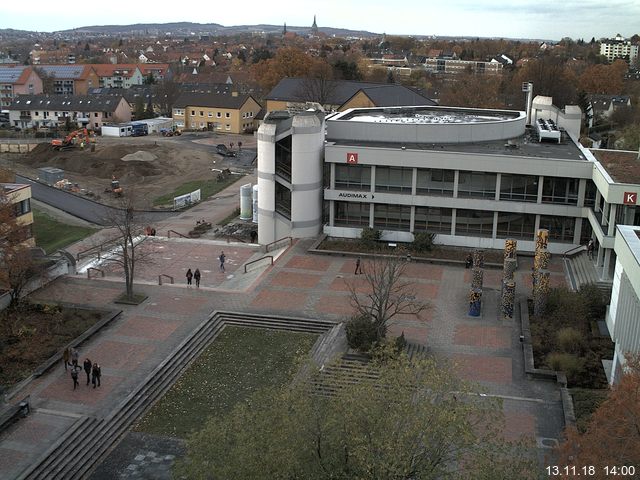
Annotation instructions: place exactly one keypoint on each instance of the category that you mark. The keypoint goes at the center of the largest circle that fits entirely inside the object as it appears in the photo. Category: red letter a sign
(352, 158)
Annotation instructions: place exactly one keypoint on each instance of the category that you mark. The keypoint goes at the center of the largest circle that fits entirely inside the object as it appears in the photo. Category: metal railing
(268, 245)
(257, 260)
(94, 269)
(177, 233)
(164, 275)
(573, 251)
(98, 248)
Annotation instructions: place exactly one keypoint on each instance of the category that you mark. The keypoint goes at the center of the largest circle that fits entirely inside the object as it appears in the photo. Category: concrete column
(453, 221)
(371, 215)
(577, 230)
(373, 178)
(332, 213)
(597, 200)
(607, 263)
(412, 219)
(605, 214)
(332, 177)
(414, 183)
(600, 256)
(456, 178)
(494, 231)
(612, 219)
(536, 226)
(582, 189)
(498, 181)
(540, 185)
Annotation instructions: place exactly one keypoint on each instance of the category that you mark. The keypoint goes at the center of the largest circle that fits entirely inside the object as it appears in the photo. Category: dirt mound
(103, 163)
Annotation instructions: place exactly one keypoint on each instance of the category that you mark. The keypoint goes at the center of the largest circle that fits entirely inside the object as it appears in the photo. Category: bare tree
(130, 237)
(167, 92)
(386, 294)
(319, 86)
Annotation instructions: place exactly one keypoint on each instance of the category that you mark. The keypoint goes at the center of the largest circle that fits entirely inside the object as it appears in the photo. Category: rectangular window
(227, 115)
(210, 114)
(561, 229)
(227, 127)
(283, 158)
(474, 223)
(590, 194)
(435, 181)
(193, 113)
(201, 113)
(22, 208)
(516, 225)
(351, 214)
(392, 217)
(519, 188)
(353, 177)
(560, 190)
(477, 185)
(218, 115)
(433, 220)
(394, 179)
(283, 200)
(95, 114)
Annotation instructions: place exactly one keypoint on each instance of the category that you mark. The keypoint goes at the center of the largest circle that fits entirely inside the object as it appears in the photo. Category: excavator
(76, 138)
(116, 189)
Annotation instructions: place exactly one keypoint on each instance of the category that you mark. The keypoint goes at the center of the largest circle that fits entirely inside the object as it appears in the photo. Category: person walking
(66, 355)
(358, 267)
(590, 249)
(87, 368)
(222, 258)
(95, 374)
(74, 377)
(189, 277)
(75, 355)
(196, 277)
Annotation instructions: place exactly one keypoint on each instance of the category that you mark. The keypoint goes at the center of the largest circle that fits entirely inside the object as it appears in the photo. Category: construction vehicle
(116, 189)
(76, 138)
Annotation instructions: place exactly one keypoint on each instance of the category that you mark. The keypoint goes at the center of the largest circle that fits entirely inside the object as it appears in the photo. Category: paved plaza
(485, 349)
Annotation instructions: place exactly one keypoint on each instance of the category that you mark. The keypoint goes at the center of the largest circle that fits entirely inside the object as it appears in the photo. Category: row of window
(217, 126)
(476, 223)
(180, 113)
(433, 181)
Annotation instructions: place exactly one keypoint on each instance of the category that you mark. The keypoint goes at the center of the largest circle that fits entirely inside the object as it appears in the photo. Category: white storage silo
(245, 202)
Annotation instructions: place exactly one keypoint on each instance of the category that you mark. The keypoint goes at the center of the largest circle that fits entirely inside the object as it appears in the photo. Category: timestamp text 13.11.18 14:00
(622, 471)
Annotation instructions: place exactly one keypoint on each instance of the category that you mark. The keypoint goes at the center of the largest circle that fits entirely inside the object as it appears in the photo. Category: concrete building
(17, 80)
(90, 111)
(454, 66)
(623, 314)
(619, 47)
(569, 118)
(473, 177)
(233, 113)
(118, 75)
(68, 79)
(19, 196)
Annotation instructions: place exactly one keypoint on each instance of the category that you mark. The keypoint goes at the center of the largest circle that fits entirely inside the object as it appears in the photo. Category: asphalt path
(81, 207)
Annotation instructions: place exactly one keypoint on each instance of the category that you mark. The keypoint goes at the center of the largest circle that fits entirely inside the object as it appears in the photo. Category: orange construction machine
(76, 138)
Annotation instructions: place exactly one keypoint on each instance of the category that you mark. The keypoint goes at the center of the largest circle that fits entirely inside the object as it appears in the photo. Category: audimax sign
(363, 196)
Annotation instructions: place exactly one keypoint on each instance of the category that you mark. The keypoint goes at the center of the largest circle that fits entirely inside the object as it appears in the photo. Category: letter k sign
(630, 198)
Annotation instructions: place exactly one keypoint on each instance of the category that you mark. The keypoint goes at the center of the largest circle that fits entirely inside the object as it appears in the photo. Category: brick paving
(485, 349)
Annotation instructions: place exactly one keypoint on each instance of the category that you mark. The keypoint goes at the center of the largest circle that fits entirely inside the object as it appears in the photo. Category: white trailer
(116, 130)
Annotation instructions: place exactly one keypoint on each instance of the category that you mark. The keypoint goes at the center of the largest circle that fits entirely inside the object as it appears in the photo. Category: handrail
(96, 269)
(573, 250)
(266, 247)
(257, 260)
(177, 233)
(164, 275)
(99, 247)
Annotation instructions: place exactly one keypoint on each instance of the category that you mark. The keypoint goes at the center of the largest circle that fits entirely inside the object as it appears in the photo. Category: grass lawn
(207, 188)
(237, 363)
(53, 235)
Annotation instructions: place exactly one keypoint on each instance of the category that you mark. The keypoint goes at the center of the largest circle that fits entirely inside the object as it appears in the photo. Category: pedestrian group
(193, 276)
(70, 357)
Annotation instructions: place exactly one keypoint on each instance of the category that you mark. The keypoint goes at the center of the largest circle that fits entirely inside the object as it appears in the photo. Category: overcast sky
(550, 19)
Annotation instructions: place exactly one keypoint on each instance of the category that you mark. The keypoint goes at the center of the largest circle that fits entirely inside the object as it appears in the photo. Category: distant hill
(188, 28)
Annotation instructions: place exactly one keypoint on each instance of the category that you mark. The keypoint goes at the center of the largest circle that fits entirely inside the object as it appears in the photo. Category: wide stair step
(97, 437)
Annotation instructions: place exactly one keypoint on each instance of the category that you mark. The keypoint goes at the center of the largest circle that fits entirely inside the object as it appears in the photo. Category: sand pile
(139, 156)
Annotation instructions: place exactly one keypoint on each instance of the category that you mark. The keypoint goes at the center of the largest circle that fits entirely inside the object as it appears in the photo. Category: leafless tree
(386, 293)
(319, 86)
(129, 239)
(167, 92)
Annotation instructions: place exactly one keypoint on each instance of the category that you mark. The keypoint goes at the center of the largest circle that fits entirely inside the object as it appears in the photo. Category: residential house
(118, 75)
(68, 79)
(602, 106)
(232, 113)
(619, 47)
(19, 196)
(17, 80)
(292, 94)
(159, 71)
(33, 111)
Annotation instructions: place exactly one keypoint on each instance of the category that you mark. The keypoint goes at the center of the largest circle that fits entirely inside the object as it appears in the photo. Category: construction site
(103, 168)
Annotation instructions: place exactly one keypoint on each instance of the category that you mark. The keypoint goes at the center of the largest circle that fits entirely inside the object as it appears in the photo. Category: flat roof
(426, 115)
(12, 187)
(631, 235)
(519, 147)
(622, 166)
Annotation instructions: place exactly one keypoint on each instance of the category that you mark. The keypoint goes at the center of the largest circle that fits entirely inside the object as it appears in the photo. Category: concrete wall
(17, 147)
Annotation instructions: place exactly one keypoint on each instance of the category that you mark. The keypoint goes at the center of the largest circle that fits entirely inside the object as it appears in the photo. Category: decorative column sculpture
(508, 280)
(540, 274)
(477, 278)
(475, 302)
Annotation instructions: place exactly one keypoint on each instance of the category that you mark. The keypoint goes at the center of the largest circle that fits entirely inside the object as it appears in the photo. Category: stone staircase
(581, 271)
(68, 459)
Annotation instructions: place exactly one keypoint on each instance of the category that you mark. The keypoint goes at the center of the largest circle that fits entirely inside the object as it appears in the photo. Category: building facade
(68, 79)
(229, 113)
(17, 80)
(619, 47)
(118, 75)
(454, 66)
(19, 196)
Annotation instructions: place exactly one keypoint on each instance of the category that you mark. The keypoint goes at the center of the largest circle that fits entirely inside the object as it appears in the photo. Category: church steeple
(314, 27)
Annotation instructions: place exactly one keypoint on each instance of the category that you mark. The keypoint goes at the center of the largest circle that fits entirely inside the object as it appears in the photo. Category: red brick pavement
(357, 281)
(335, 305)
(309, 263)
(33, 430)
(518, 424)
(482, 336)
(62, 389)
(118, 355)
(423, 271)
(175, 304)
(414, 334)
(10, 458)
(425, 291)
(147, 327)
(270, 299)
(483, 368)
(295, 280)
(491, 278)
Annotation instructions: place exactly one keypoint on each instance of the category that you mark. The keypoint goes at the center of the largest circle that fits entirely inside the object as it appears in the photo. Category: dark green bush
(370, 236)
(422, 241)
(570, 364)
(361, 333)
(570, 340)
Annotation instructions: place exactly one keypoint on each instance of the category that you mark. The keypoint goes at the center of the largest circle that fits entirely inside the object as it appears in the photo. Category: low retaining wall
(17, 147)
